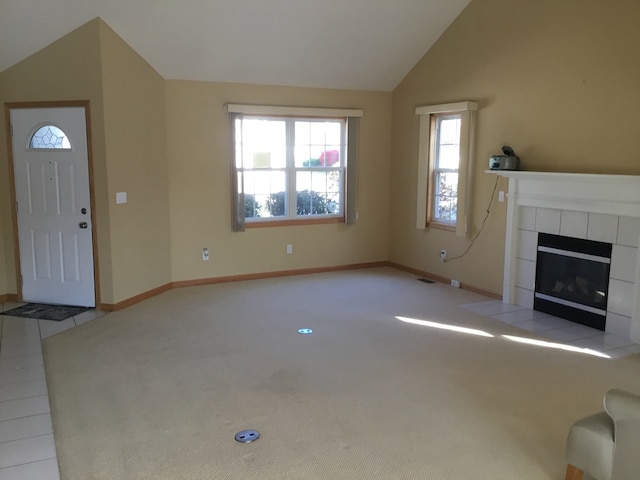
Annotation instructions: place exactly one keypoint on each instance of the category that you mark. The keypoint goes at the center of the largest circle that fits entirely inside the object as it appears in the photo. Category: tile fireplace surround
(604, 208)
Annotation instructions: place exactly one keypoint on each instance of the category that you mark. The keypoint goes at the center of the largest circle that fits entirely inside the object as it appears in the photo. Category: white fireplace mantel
(579, 192)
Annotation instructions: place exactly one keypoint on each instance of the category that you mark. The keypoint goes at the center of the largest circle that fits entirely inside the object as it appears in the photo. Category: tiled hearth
(556, 330)
(604, 208)
(622, 232)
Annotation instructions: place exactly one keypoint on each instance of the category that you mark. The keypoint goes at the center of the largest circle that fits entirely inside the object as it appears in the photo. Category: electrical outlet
(289, 248)
(205, 254)
(501, 196)
(455, 283)
(443, 255)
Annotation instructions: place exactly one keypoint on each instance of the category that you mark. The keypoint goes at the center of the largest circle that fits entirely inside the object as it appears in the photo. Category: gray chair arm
(621, 405)
(624, 409)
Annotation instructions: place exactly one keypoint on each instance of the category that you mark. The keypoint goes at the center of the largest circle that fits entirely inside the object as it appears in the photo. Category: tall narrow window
(445, 165)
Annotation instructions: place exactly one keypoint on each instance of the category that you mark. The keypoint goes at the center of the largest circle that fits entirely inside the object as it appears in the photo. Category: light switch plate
(121, 197)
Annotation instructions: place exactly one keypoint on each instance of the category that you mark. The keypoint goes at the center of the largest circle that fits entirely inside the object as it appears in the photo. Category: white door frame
(12, 187)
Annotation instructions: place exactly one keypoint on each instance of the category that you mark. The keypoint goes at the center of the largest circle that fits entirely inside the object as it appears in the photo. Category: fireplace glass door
(572, 279)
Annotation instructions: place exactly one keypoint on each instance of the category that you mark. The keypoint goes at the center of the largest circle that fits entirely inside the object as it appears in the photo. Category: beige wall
(558, 81)
(166, 143)
(129, 152)
(68, 69)
(134, 126)
(199, 172)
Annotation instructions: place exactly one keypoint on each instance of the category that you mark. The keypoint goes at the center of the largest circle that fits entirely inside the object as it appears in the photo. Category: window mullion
(291, 194)
(342, 174)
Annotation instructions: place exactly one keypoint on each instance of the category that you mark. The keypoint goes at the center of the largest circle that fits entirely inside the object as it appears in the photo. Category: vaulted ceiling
(346, 44)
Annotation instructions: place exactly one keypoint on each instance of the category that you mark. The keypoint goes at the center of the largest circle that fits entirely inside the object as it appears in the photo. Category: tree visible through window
(290, 167)
(446, 163)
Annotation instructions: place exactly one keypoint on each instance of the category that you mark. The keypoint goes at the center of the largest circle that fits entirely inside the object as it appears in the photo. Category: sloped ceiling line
(356, 45)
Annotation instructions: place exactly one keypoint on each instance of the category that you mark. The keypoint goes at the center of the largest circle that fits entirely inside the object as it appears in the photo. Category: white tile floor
(555, 329)
(27, 449)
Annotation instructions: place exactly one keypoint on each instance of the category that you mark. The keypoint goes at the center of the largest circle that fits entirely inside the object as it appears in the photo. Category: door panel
(41, 252)
(53, 206)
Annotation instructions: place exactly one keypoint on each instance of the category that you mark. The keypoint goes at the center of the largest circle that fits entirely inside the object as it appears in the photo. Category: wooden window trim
(292, 222)
(425, 178)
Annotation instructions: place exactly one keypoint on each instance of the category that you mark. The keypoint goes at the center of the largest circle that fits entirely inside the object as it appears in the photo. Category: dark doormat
(45, 312)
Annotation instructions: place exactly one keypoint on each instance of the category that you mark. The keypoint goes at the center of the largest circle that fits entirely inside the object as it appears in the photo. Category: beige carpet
(159, 390)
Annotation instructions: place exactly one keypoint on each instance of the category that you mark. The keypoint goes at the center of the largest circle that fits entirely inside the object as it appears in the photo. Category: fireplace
(572, 279)
(593, 207)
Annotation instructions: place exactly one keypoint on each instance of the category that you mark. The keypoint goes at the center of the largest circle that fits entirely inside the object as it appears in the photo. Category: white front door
(51, 174)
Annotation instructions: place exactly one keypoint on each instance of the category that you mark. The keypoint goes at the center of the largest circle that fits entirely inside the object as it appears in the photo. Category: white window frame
(436, 169)
(290, 169)
(425, 197)
(348, 206)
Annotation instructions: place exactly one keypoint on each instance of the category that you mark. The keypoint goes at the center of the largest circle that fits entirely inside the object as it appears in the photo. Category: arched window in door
(50, 136)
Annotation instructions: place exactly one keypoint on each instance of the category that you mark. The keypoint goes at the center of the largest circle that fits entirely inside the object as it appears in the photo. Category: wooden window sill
(442, 226)
(294, 222)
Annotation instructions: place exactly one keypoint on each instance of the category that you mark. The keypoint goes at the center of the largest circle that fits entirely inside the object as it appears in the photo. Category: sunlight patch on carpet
(444, 326)
(559, 346)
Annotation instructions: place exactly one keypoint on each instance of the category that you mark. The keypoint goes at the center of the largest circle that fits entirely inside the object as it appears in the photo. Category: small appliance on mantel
(508, 161)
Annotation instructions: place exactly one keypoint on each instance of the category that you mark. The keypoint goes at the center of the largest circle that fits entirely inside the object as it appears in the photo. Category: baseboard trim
(278, 273)
(445, 280)
(8, 297)
(112, 307)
